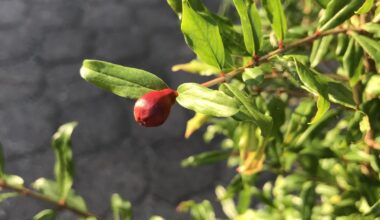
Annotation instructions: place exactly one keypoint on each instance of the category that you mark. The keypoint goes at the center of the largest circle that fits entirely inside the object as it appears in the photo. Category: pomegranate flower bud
(153, 108)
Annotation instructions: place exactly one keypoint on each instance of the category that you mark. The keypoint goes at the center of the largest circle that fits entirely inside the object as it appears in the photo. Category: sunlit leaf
(208, 157)
(366, 7)
(206, 101)
(123, 81)
(64, 167)
(276, 14)
(122, 210)
(202, 35)
(196, 66)
(337, 12)
(46, 214)
(51, 189)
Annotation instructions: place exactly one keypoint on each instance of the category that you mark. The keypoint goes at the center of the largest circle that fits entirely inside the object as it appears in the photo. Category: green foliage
(251, 25)
(121, 209)
(64, 167)
(206, 101)
(277, 17)
(123, 81)
(201, 32)
(298, 99)
(46, 214)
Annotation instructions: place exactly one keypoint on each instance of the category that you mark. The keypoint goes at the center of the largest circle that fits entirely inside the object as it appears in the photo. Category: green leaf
(233, 40)
(196, 66)
(206, 158)
(263, 121)
(373, 86)
(46, 214)
(227, 204)
(123, 81)
(253, 76)
(322, 48)
(340, 94)
(8, 195)
(202, 211)
(195, 123)
(323, 106)
(298, 120)
(308, 196)
(321, 85)
(156, 217)
(313, 82)
(176, 5)
(251, 25)
(352, 61)
(337, 12)
(254, 16)
(64, 167)
(51, 189)
(366, 7)
(373, 28)
(245, 199)
(342, 44)
(206, 101)
(313, 130)
(277, 17)
(372, 47)
(202, 35)
(121, 208)
(323, 3)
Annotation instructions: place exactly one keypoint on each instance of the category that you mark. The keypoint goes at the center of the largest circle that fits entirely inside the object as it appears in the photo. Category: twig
(39, 196)
(268, 56)
(368, 139)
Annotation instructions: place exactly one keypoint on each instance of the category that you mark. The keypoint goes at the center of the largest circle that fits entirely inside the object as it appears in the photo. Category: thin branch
(268, 56)
(39, 196)
(368, 139)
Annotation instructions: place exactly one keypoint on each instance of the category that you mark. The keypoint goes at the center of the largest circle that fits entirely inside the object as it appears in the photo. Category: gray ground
(42, 44)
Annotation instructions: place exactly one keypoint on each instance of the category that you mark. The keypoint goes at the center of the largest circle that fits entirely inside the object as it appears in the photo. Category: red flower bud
(153, 108)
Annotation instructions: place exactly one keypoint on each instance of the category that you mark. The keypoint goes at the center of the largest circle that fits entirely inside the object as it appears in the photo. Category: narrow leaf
(205, 158)
(206, 101)
(337, 12)
(156, 217)
(51, 189)
(121, 208)
(261, 120)
(342, 44)
(203, 211)
(366, 7)
(64, 168)
(329, 89)
(47, 214)
(195, 123)
(373, 28)
(228, 204)
(323, 3)
(123, 81)
(176, 5)
(202, 35)
(351, 61)
(323, 106)
(277, 17)
(7, 195)
(251, 25)
(321, 50)
(196, 66)
(253, 76)
(372, 47)
(308, 196)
